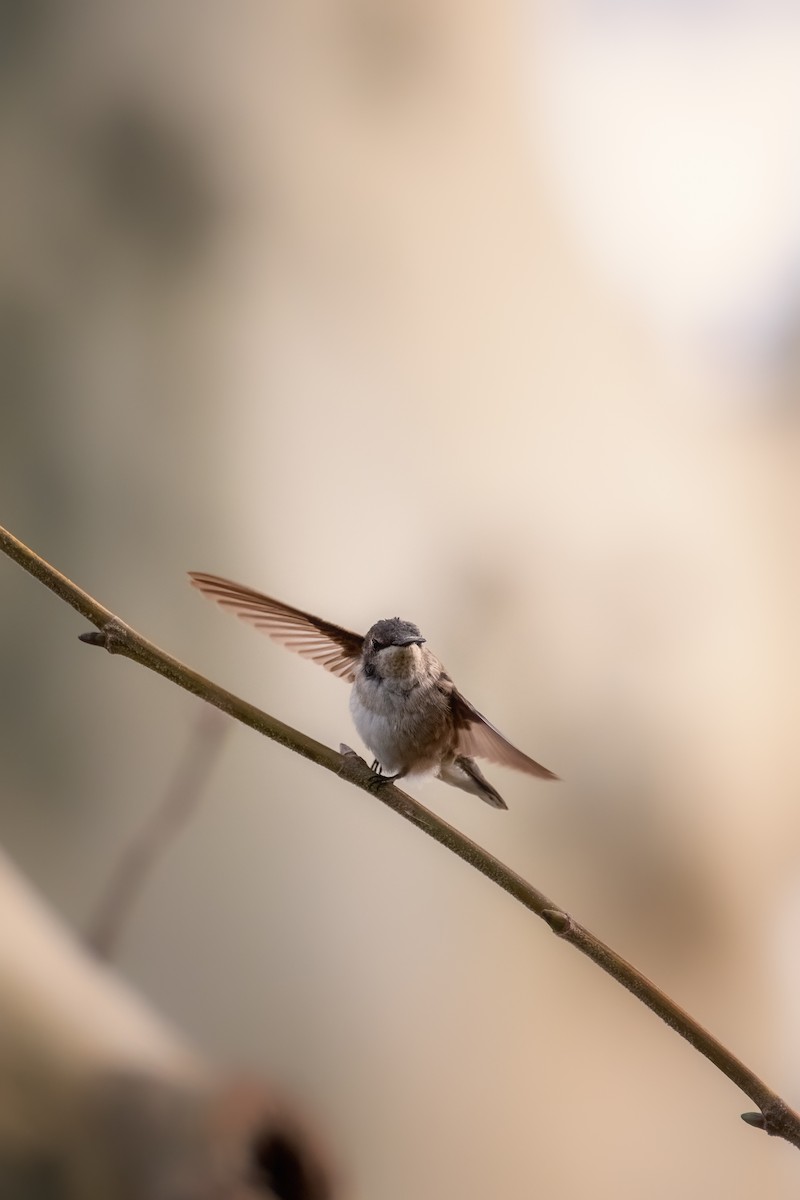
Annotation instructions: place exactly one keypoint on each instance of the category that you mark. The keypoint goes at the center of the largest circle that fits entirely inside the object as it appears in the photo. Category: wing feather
(336, 649)
(477, 738)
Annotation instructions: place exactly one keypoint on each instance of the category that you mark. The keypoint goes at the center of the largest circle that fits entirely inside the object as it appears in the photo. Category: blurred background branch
(100, 1100)
(129, 873)
(777, 1118)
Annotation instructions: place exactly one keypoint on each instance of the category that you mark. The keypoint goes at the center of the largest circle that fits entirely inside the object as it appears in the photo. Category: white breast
(378, 734)
(407, 732)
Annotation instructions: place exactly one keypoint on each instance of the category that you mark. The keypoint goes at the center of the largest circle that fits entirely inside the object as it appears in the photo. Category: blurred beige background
(481, 314)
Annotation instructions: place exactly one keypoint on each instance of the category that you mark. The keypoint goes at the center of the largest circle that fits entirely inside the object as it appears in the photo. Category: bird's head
(392, 647)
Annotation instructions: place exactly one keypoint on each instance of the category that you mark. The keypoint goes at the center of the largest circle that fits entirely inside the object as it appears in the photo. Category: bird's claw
(379, 778)
(378, 775)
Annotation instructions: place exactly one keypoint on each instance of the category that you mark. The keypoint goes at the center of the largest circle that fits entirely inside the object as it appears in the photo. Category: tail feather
(464, 773)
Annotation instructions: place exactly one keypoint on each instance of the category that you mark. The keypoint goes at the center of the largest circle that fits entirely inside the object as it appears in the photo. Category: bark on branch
(774, 1116)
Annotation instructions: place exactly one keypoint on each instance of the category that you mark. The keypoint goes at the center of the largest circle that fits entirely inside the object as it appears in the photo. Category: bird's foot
(379, 778)
(376, 772)
(378, 775)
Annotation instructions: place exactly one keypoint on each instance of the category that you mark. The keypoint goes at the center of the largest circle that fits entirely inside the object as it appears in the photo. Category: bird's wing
(336, 649)
(478, 739)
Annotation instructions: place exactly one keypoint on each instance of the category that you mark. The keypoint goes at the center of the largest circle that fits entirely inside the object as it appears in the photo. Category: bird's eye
(378, 645)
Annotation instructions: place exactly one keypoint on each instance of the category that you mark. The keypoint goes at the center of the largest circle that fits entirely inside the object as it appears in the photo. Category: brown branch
(171, 814)
(775, 1116)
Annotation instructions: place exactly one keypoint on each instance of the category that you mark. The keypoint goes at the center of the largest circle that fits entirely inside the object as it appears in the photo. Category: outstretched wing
(334, 648)
(477, 738)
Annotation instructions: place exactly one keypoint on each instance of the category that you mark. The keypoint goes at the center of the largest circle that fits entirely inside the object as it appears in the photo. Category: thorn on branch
(353, 767)
(776, 1119)
(111, 637)
(560, 922)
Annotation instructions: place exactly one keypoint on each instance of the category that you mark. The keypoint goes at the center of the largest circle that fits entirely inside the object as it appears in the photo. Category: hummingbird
(405, 706)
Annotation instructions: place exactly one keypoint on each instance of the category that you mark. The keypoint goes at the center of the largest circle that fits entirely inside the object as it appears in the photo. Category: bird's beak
(410, 641)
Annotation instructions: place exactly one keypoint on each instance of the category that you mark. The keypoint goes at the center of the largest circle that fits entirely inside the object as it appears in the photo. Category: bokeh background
(481, 313)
